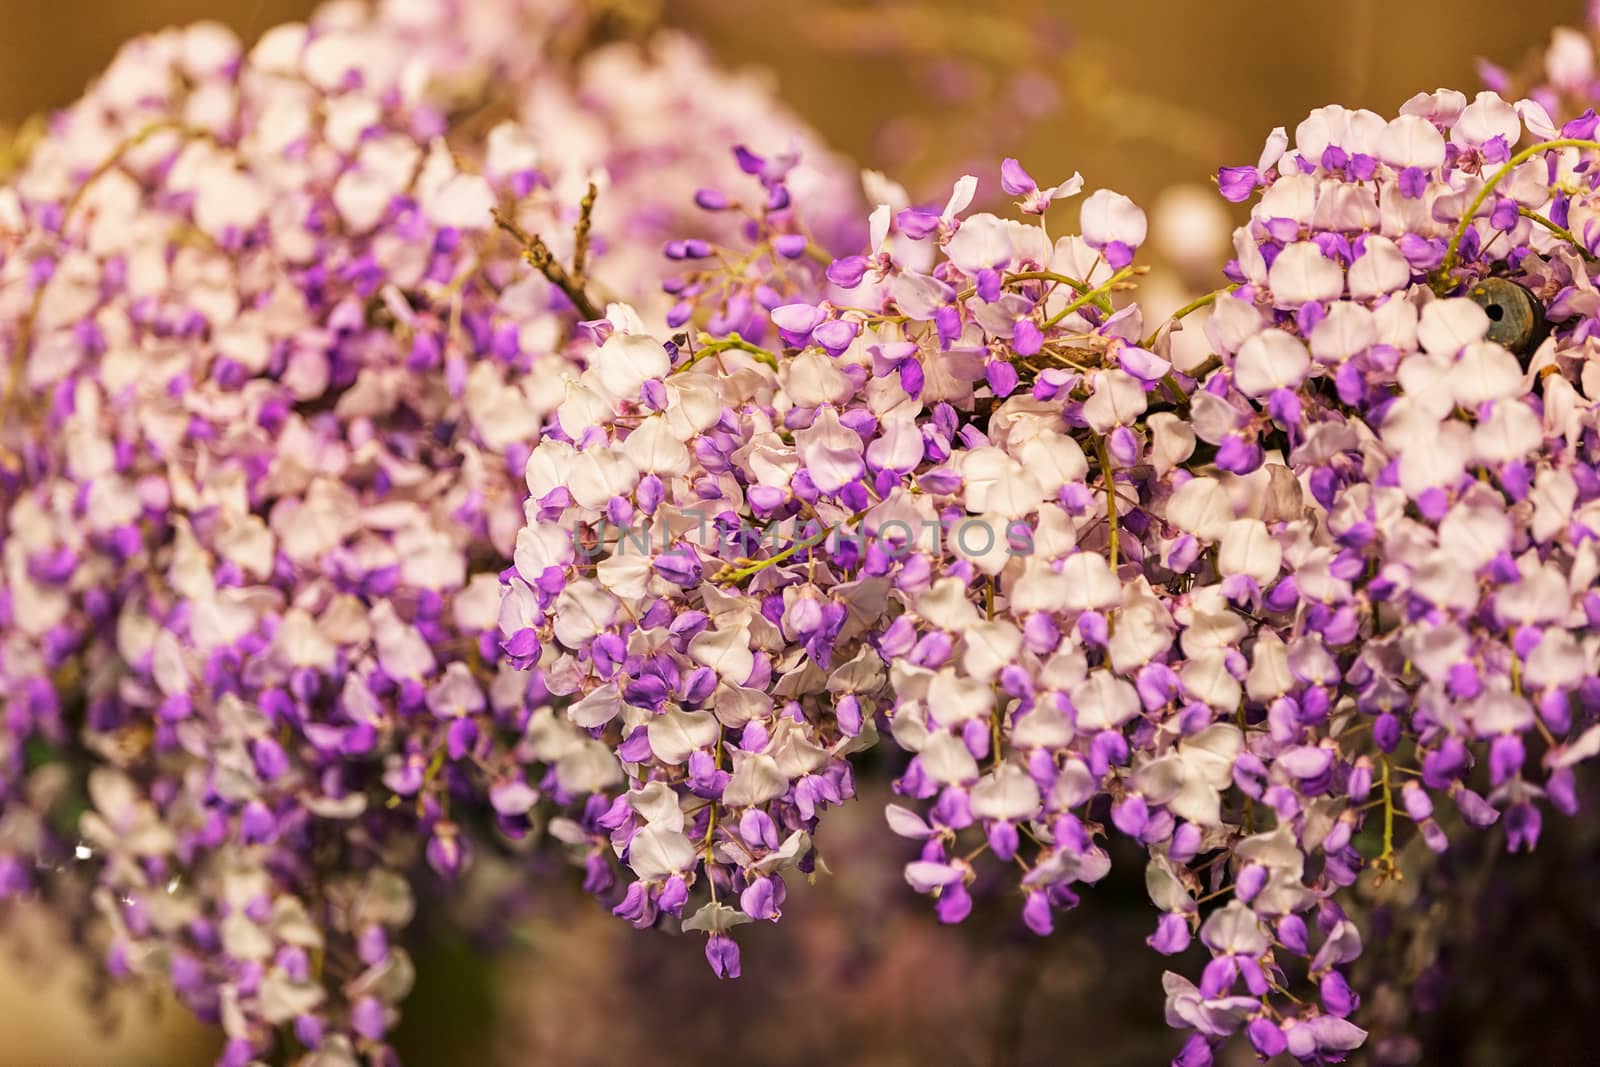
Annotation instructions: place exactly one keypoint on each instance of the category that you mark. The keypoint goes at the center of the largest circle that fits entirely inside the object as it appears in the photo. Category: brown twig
(539, 256)
(580, 237)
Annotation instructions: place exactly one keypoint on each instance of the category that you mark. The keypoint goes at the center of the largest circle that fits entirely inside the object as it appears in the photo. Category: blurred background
(1138, 96)
(1147, 98)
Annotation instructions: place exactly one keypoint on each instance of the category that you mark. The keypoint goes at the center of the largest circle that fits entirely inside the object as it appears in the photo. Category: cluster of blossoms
(1016, 567)
(284, 641)
(1007, 551)
(1412, 328)
(273, 376)
(1250, 611)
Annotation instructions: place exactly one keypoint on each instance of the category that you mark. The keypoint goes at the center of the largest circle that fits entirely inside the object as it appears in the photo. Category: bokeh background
(1146, 97)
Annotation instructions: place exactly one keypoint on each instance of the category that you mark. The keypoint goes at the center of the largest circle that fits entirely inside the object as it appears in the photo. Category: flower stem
(711, 346)
(1387, 868)
(1452, 254)
(539, 256)
(739, 574)
(819, 254)
(711, 826)
(1169, 382)
(1103, 455)
(1190, 308)
(19, 352)
(1098, 291)
(1060, 279)
(1560, 231)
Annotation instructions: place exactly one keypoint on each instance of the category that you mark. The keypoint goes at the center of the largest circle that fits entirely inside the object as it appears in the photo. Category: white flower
(1472, 535)
(756, 779)
(1411, 141)
(1380, 269)
(831, 451)
(588, 767)
(1248, 549)
(677, 733)
(1104, 702)
(1201, 506)
(814, 378)
(1512, 431)
(581, 611)
(715, 918)
(402, 651)
(1118, 399)
(986, 241)
(1109, 217)
(1206, 678)
(1090, 585)
(653, 448)
(907, 823)
(1447, 326)
(989, 647)
(1348, 329)
(1269, 361)
(1007, 793)
(1352, 130)
(726, 650)
(600, 474)
(658, 852)
(947, 761)
(1302, 274)
(626, 361)
(1486, 118)
(456, 693)
(1235, 930)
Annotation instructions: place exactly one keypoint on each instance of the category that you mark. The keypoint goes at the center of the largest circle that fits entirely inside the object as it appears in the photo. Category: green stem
(1060, 279)
(711, 826)
(739, 574)
(711, 346)
(1385, 861)
(1452, 254)
(1179, 397)
(1249, 804)
(1103, 455)
(1560, 231)
(1089, 297)
(1190, 308)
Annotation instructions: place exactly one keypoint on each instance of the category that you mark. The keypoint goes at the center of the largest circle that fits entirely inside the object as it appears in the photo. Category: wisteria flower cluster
(1249, 613)
(414, 445)
(274, 371)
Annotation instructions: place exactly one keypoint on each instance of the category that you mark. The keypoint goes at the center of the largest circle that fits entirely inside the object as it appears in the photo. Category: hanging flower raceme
(1410, 328)
(274, 376)
(990, 533)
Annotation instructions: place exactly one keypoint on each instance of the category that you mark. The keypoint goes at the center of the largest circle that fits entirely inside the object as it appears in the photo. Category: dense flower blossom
(415, 436)
(1249, 613)
(273, 377)
(733, 684)
(1411, 330)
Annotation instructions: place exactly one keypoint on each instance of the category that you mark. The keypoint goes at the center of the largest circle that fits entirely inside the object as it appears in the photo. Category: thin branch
(539, 256)
(580, 237)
